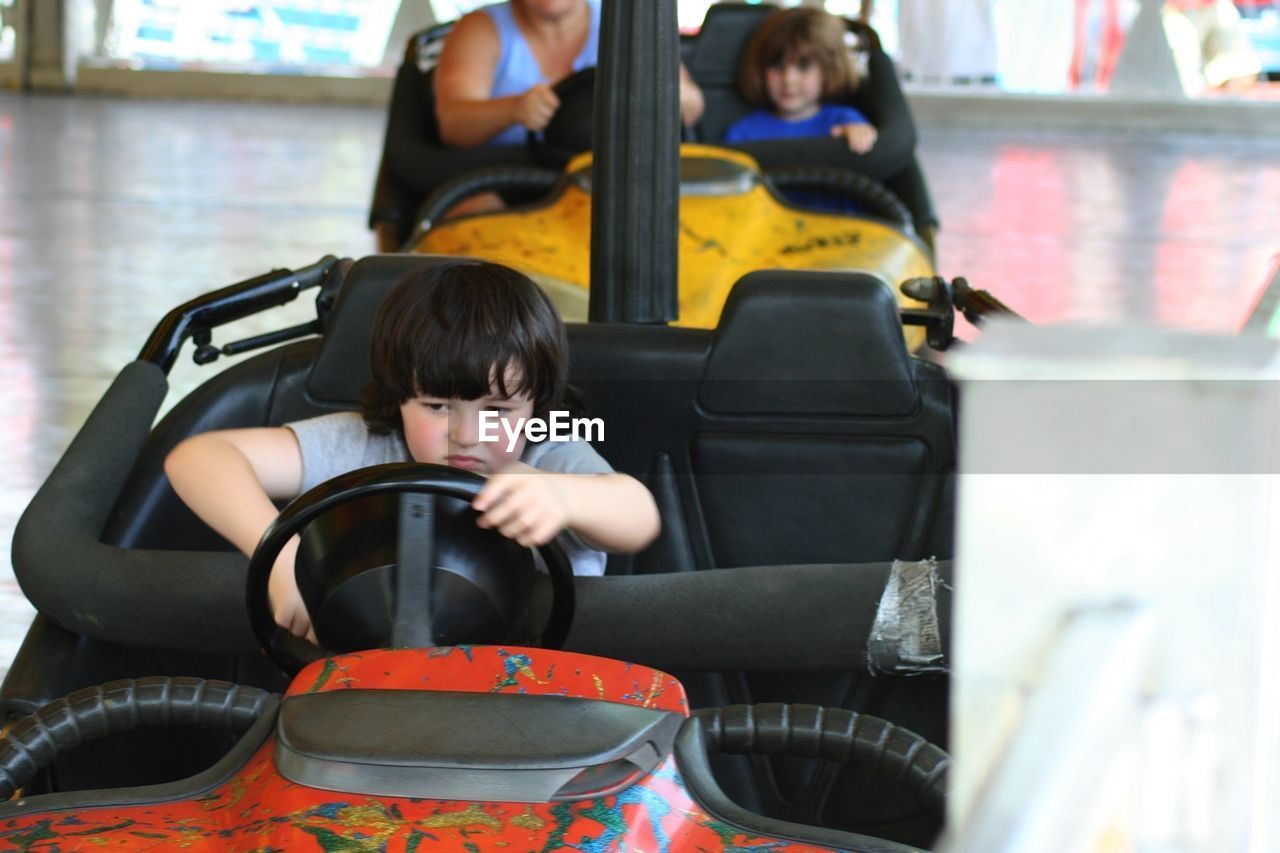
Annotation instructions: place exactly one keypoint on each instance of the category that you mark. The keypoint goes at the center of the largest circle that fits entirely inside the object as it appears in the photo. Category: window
(269, 36)
(8, 27)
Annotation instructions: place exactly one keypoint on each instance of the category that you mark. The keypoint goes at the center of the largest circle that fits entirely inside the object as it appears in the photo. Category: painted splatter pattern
(258, 811)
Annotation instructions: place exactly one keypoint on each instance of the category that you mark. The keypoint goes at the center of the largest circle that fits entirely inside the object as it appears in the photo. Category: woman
(494, 79)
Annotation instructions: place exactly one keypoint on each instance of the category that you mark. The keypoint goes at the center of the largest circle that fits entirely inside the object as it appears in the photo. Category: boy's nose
(463, 430)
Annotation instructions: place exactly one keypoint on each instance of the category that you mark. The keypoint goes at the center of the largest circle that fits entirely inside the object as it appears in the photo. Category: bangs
(465, 331)
(450, 369)
(791, 51)
(794, 35)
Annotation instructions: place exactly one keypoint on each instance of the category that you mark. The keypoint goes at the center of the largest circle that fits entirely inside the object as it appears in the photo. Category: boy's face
(446, 431)
(794, 86)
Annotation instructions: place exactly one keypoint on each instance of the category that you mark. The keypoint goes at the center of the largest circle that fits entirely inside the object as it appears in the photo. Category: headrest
(341, 369)
(810, 342)
(718, 47)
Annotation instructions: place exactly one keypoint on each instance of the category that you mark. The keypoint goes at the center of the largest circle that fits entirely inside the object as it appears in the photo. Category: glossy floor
(112, 212)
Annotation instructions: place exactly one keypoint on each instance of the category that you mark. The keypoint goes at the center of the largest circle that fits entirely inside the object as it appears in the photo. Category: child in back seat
(796, 63)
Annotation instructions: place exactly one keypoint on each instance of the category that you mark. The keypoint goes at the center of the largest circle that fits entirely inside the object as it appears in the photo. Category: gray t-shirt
(340, 442)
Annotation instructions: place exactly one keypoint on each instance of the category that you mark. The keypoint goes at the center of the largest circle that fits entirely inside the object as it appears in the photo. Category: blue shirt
(763, 124)
(518, 70)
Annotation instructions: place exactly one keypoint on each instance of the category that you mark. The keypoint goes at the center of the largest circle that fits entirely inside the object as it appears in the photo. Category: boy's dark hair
(452, 329)
(793, 35)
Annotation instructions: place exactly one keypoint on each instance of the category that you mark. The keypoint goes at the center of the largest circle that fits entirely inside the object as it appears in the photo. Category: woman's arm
(614, 512)
(464, 79)
(692, 103)
(228, 479)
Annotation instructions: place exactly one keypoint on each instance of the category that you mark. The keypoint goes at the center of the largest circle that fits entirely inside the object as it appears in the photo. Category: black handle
(121, 706)
(832, 734)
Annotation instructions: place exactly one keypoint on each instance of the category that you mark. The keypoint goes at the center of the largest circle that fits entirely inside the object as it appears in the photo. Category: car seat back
(800, 430)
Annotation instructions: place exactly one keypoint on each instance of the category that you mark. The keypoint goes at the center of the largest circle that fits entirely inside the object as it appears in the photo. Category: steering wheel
(570, 130)
(869, 194)
(415, 486)
(567, 134)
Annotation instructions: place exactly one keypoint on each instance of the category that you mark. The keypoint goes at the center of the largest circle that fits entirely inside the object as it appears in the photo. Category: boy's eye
(804, 65)
(435, 407)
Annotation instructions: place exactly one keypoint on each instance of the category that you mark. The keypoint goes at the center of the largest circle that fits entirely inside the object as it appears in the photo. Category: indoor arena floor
(114, 211)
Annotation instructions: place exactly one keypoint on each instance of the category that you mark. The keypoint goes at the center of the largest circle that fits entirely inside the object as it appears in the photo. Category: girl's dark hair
(792, 35)
(457, 329)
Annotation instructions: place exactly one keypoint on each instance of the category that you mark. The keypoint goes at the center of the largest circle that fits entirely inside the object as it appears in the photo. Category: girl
(795, 64)
(451, 342)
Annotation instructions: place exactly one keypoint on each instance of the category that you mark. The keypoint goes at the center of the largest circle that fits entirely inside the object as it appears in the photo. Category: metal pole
(636, 172)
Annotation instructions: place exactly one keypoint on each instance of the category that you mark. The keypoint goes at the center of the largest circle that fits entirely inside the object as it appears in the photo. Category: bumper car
(758, 532)
(733, 213)
(771, 672)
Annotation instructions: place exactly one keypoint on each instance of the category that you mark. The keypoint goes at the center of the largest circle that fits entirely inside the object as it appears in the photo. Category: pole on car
(636, 167)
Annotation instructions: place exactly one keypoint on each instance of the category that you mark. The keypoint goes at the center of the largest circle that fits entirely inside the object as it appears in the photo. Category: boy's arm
(612, 511)
(228, 479)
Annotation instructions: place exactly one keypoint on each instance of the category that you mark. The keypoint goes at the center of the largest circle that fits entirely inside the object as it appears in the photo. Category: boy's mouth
(470, 463)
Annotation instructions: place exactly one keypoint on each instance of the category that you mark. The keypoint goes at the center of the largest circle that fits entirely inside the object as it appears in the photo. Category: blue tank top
(517, 68)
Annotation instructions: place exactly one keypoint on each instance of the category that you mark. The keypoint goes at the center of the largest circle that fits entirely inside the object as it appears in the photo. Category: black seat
(713, 58)
(806, 393)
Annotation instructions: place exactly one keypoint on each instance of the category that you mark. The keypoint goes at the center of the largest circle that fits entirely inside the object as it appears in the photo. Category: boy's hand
(524, 504)
(282, 591)
(861, 137)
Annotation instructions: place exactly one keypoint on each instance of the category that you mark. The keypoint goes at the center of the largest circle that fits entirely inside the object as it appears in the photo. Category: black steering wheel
(415, 485)
(567, 134)
(570, 130)
(869, 194)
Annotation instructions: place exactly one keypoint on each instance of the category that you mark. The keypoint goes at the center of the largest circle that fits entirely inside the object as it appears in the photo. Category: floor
(114, 211)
